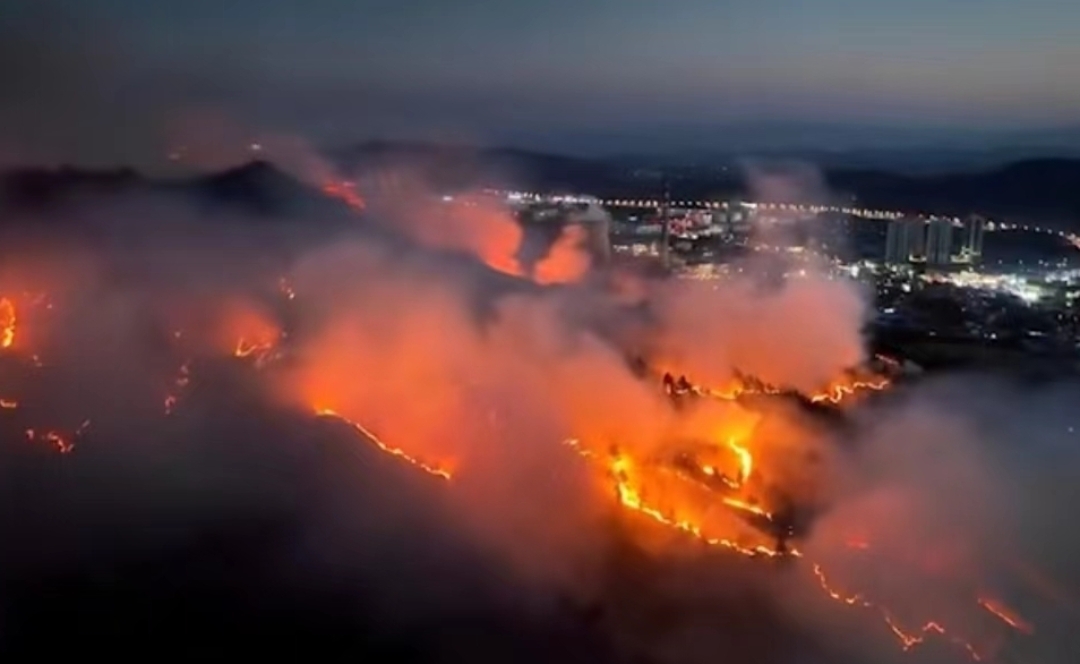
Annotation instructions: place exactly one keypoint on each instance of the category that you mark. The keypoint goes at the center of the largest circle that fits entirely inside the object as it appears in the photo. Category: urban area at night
(930, 276)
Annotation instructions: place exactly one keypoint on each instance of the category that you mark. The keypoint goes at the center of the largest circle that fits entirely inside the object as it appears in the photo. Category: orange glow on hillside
(7, 323)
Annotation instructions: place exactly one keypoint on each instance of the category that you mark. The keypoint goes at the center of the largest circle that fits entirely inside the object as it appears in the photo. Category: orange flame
(263, 352)
(9, 404)
(746, 461)
(835, 392)
(740, 386)
(839, 390)
(621, 468)
(244, 348)
(7, 323)
(744, 506)
(256, 333)
(393, 451)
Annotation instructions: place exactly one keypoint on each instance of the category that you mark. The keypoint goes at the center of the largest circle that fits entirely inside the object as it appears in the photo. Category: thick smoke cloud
(710, 330)
(418, 324)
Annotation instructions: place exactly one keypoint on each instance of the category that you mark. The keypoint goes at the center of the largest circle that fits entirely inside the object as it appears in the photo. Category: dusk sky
(112, 79)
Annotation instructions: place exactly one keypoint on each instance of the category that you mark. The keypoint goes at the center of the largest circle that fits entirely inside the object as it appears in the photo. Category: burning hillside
(511, 417)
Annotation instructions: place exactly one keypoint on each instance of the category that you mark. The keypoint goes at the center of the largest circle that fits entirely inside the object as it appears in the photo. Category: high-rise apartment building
(939, 242)
(905, 241)
(974, 230)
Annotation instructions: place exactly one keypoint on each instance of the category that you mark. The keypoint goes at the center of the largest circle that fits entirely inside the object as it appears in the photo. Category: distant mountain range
(910, 150)
(1044, 190)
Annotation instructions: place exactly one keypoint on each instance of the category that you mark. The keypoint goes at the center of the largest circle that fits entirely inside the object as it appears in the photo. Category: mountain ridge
(1045, 190)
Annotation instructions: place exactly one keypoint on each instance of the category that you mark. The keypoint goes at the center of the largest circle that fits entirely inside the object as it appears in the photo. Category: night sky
(111, 80)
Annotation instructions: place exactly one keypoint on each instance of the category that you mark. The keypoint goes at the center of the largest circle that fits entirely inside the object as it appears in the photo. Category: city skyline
(910, 240)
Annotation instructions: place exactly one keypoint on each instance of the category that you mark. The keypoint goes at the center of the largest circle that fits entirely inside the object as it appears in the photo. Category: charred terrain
(247, 415)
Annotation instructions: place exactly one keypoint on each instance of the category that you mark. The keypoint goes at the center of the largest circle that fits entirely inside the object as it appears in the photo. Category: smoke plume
(401, 425)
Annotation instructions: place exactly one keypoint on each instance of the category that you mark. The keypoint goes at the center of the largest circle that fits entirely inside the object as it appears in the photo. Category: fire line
(378, 442)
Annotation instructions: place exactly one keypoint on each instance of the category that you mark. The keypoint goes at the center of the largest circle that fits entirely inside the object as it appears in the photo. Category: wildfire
(7, 323)
(908, 639)
(257, 335)
(710, 471)
(743, 386)
(63, 444)
(750, 508)
(393, 451)
(631, 482)
(1006, 615)
(630, 496)
(629, 479)
(746, 461)
(840, 390)
(740, 386)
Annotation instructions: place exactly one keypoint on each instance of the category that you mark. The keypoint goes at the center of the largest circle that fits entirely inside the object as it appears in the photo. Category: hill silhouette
(1044, 190)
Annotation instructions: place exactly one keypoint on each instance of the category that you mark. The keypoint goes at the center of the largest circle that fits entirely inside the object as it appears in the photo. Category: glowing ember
(244, 348)
(393, 451)
(346, 192)
(183, 378)
(286, 289)
(911, 639)
(9, 404)
(257, 334)
(263, 352)
(7, 323)
(908, 638)
(63, 444)
(1006, 615)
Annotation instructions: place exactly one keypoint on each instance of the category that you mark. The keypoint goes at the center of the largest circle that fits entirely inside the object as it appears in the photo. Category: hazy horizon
(605, 78)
